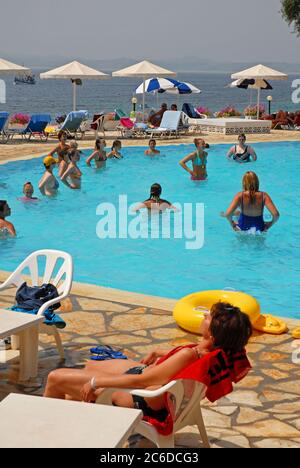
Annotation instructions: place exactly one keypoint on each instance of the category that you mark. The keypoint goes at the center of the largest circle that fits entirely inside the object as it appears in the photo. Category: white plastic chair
(62, 280)
(185, 397)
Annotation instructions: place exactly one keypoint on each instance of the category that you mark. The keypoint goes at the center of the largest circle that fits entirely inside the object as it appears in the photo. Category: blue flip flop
(103, 353)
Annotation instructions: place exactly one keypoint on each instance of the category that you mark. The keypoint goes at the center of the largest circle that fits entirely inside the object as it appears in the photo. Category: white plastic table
(36, 422)
(25, 326)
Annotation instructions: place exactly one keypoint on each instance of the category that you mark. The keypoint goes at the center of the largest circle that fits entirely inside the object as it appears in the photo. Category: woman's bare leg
(69, 382)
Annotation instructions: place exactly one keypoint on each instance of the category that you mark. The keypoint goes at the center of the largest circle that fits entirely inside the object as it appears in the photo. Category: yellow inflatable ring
(190, 311)
(296, 334)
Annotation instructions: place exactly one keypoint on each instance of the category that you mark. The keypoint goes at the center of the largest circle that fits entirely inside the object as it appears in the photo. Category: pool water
(267, 267)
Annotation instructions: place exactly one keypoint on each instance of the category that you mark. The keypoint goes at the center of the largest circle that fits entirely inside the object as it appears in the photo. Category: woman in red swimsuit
(225, 328)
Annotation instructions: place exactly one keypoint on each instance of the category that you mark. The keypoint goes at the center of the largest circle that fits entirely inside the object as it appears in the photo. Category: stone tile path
(263, 411)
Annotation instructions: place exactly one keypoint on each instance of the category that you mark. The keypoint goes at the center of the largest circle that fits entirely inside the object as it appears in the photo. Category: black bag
(32, 298)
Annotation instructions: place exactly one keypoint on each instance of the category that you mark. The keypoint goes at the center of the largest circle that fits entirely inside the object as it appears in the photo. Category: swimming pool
(266, 267)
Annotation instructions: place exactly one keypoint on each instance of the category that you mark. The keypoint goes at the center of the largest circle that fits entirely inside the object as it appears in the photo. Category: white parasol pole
(258, 102)
(144, 93)
(74, 95)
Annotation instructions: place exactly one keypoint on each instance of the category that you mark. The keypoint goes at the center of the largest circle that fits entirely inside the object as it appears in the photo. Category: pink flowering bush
(204, 111)
(229, 111)
(20, 119)
(251, 111)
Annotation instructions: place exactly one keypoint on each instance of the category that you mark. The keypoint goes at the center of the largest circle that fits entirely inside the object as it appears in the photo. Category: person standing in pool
(198, 159)
(72, 176)
(49, 184)
(99, 154)
(154, 202)
(251, 203)
(62, 152)
(28, 191)
(115, 150)
(152, 151)
(6, 228)
(242, 153)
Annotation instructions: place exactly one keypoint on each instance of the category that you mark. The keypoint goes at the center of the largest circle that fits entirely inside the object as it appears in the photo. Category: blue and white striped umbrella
(156, 84)
(181, 88)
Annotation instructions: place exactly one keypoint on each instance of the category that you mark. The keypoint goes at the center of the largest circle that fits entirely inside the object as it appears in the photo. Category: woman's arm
(273, 210)
(11, 229)
(64, 177)
(158, 375)
(90, 158)
(231, 152)
(183, 162)
(231, 210)
(252, 153)
(43, 183)
(139, 207)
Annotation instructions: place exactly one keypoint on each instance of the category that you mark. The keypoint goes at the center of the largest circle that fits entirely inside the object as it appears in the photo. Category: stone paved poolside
(263, 411)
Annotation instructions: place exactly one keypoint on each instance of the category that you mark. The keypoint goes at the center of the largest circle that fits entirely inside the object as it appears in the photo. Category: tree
(290, 10)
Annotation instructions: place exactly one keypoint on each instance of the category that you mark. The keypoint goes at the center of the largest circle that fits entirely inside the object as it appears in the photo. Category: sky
(218, 30)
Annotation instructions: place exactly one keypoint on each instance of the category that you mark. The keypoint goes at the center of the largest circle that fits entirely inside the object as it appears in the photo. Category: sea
(55, 96)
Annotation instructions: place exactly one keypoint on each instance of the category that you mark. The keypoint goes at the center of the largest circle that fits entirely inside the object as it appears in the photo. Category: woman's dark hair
(116, 143)
(242, 135)
(155, 192)
(230, 328)
(98, 143)
(61, 133)
(3, 204)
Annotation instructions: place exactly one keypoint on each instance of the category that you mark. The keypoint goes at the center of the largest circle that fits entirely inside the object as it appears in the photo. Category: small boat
(25, 79)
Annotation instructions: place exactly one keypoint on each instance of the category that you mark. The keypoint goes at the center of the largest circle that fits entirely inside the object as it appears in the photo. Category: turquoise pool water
(266, 267)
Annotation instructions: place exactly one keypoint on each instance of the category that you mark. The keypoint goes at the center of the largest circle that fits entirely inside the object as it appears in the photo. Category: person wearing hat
(48, 184)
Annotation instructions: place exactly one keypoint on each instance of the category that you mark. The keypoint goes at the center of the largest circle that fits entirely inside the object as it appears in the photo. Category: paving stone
(275, 374)
(271, 395)
(255, 348)
(286, 408)
(296, 423)
(226, 410)
(283, 417)
(249, 415)
(122, 340)
(269, 339)
(250, 382)
(85, 323)
(160, 312)
(286, 367)
(244, 398)
(140, 333)
(276, 443)
(271, 428)
(138, 310)
(214, 419)
(271, 357)
(237, 441)
(98, 305)
(166, 333)
(290, 387)
(130, 322)
(285, 348)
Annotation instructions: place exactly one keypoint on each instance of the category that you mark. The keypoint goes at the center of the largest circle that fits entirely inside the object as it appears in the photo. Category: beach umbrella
(252, 84)
(181, 88)
(155, 84)
(76, 72)
(259, 72)
(144, 70)
(7, 68)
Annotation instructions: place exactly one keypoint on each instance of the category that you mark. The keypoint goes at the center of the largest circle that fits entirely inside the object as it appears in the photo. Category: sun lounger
(3, 122)
(169, 125)
(71, 125)
(37, 126)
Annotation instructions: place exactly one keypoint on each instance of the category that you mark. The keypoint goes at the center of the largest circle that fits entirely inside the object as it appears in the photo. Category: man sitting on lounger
(155, 119)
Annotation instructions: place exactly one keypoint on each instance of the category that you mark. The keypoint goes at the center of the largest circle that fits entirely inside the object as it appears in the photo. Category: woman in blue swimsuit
(252, 203)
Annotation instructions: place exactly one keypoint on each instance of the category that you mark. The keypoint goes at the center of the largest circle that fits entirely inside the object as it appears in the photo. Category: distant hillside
(180, 64)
